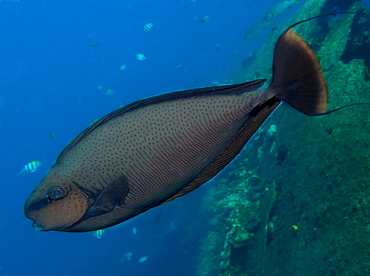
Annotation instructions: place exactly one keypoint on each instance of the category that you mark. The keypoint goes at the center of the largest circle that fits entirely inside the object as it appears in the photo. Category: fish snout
(37, 227)
(31, 213)
(48, 214)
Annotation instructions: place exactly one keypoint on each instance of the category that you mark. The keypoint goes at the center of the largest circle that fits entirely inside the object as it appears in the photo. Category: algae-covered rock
(314, 215)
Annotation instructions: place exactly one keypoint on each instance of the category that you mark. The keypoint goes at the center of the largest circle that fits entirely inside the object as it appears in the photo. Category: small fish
(147, 27)
(256, 29)
(278, 9)
(94, 43)
(140, 57)
(158, 217)
(134, 230)
(126, 257)
(99, 233)
(281, 155)
(109, 91)
(158, 149)
(51, 135)
(251, 57)
(122, 67)
(99, 87)
(204, 19)
(142, 259)
(30, 167)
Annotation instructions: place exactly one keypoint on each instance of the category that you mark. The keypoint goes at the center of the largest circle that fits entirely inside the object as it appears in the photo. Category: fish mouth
(37, 227)
(40, 228)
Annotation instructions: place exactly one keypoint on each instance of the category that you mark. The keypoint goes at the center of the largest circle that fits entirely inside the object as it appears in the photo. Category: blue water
(49, 74)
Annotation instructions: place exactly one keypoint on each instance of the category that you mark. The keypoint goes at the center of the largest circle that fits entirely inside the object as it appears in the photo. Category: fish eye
(56, 192)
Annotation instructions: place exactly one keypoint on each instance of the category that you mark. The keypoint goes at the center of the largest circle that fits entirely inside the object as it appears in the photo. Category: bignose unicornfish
(157, 149)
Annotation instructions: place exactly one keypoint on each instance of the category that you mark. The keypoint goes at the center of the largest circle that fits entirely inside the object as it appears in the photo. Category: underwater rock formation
(311, 214)
(358, 43)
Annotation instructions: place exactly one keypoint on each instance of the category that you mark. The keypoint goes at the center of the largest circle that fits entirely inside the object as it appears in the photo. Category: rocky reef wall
(296, 201)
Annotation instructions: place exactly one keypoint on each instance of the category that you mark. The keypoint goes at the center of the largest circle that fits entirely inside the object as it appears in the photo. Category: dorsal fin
(214, 90)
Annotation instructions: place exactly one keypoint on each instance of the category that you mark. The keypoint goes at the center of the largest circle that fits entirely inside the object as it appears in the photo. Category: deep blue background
(49, 73)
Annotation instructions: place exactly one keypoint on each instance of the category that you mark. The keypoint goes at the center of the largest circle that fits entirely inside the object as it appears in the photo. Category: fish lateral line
(231, 89)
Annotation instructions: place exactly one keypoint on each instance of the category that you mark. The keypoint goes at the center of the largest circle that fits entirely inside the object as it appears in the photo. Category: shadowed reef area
(296, 201)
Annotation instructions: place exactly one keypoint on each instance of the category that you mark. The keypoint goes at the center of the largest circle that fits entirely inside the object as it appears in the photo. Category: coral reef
(309, 215)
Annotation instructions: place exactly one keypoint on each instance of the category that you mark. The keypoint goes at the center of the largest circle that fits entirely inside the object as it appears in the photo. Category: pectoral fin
(113, 195)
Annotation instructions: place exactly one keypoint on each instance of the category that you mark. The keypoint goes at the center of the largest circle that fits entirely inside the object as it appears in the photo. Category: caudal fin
(297, 76)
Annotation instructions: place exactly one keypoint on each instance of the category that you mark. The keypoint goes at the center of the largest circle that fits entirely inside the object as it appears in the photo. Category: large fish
(160, 148)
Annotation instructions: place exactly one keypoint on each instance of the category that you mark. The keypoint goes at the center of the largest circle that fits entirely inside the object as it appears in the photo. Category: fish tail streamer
(297, 76)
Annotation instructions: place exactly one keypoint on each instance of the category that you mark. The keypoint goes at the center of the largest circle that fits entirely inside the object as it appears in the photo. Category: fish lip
(40, 228)
(37, 227)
